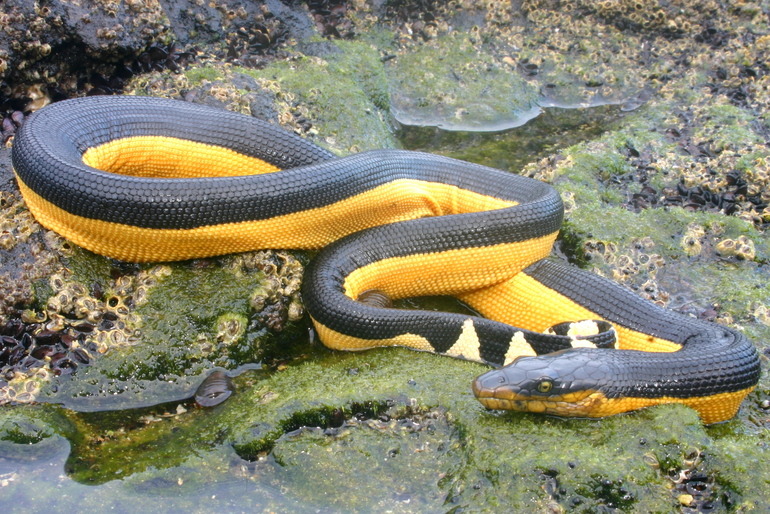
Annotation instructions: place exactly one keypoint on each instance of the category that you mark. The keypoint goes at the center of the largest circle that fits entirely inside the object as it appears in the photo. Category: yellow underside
(167, 157)
(450, 272)
(712, 409)
(309, 229)
(524, 302)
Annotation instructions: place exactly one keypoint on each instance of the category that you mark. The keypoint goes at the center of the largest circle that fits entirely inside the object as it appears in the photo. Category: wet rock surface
(661, 161)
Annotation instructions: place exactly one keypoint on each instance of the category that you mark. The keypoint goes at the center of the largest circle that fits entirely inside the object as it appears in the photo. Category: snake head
(565, 383)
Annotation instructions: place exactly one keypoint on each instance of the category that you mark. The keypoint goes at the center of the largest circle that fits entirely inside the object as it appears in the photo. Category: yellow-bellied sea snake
(147, 179)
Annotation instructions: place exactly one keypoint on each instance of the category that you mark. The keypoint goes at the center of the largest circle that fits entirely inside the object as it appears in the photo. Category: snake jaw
(565, 383)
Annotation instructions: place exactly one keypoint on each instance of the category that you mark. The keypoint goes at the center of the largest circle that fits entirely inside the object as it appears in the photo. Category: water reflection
(511, 149)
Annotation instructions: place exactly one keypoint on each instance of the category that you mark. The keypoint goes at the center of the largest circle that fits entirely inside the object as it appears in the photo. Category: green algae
(410, 419)
(198, 74)
(342, 91)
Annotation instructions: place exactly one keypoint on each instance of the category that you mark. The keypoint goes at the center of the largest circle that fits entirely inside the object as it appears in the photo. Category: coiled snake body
(147, 179)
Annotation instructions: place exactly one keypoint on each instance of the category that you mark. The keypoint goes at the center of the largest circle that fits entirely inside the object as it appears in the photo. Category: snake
(148, 179)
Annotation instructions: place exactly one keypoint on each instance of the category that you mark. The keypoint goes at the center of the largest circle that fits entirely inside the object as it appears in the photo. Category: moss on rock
(652, 202)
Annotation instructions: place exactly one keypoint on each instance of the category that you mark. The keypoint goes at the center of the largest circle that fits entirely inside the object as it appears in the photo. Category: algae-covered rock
(665, 193)
(336, 93)
(313, 435)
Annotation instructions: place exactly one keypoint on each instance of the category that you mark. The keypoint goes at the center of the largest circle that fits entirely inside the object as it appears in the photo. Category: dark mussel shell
(215, 389)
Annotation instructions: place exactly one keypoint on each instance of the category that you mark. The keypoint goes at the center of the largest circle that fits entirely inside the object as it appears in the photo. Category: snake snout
(487, 384)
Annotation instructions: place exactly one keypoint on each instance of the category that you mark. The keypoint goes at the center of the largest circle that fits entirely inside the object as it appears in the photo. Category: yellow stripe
(467, 346)
(518, 347)
(309, 229)
(169, 157)
(449, 272)
(524, 302)
(338, 341)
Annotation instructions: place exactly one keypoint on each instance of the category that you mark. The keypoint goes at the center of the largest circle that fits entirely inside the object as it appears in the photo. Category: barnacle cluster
(757, 177)
(674, 18)
(277, 299)
(75, 325)
(547, 168)
(741, 248)
(156, 58)
(16, 222)
(698, 239)
(36, 31)
(637, 267)
(249, 30)
(25, 257)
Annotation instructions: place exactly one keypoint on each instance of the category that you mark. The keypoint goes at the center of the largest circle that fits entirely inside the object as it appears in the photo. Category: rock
(61, 44)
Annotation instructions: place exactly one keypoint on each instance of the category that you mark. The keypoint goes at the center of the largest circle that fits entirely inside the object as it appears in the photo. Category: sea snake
(149, 179)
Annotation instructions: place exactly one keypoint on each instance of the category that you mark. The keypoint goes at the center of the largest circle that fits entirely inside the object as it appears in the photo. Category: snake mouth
(496, 391)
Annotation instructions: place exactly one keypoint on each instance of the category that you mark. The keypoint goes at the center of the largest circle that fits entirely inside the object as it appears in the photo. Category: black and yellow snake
(147, 179)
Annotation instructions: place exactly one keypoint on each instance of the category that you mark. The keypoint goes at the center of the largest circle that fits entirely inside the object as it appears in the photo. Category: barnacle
(637, 266)
(72, 328)
(691, 241)
(761, 313)
(16, 222)
(603, 250)
(742, 248)
(277, 295)
(230, 328)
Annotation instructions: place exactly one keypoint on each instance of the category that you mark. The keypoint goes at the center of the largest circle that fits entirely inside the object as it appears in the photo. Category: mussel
(215, 389)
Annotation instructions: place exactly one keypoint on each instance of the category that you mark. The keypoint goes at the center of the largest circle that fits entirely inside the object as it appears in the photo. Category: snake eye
(545, 386)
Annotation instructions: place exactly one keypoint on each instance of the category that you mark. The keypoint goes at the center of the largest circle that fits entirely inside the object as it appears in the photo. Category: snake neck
(698, 369)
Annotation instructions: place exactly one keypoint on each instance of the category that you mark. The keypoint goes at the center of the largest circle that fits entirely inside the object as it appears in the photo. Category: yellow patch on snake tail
(524, 302)
(169, 157)
(467, 345)
(518, 347)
